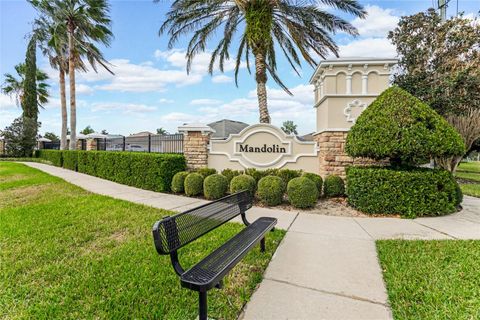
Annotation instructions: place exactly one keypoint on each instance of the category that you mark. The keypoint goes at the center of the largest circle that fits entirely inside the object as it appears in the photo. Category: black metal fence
(54, 145)
(171, 143)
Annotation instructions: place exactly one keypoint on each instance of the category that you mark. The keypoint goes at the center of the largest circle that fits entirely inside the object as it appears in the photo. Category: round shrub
(411, 192)
(399, 127)
(270, 190)
(256, 174)
(205, 172)
(288, 174)
(302, 192)
(215, 186)
(316, 179)
(333, 186)
(193, 184)
(230, 174)
(243, 182)
(178, 182)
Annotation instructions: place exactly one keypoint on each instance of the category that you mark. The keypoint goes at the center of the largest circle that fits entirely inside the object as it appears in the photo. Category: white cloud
(165, 101)
(126, 108)
(222, 79)
(203, 102)
(282, 106)
(81, 89)
(378, 22)
(7, 102)
(369, 47)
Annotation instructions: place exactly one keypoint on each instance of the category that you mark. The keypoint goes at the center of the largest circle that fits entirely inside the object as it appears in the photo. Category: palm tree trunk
(261, 78)
(63, 102)
(71, 75)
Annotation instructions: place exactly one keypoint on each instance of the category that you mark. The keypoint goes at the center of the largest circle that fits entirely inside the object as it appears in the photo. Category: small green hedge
(288, 174)
(193, 184)
(316, 179)
(151, 171)
(333, 186)
(205, 172)
(270, 190)
(53, 156)
(410, 192)
(302, 192)
(230, 174)
(178, 182)
(243, 182)
(215, 186)
(70, 160)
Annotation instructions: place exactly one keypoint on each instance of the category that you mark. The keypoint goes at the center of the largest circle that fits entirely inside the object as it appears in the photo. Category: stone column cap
(192, 127)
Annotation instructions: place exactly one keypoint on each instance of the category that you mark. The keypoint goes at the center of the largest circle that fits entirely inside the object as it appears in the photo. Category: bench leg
(262, 245)
(202, 306)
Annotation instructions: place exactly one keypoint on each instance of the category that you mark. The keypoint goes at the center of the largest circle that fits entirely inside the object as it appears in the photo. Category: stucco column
(364, 84)
(196, 138)
(349, 84)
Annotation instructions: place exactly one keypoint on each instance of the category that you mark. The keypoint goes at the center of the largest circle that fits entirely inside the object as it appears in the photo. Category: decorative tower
(344, 87)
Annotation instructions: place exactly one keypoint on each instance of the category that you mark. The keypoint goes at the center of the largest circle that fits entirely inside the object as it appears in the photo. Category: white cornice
(354, 96)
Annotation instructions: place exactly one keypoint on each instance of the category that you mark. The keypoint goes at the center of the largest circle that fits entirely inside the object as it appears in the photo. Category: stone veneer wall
(91, 145)
(195, 149)
(332, 156)
(2, 146)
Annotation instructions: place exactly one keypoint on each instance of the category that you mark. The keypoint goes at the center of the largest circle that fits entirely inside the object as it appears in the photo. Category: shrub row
(151, 171)
(410, 192)
(302, 190)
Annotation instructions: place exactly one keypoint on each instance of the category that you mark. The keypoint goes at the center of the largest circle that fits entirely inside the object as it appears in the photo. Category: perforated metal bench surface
(175, 232)
(207, 273)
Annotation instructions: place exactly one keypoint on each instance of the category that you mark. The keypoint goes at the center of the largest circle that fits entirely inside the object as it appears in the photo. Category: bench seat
(209, 272)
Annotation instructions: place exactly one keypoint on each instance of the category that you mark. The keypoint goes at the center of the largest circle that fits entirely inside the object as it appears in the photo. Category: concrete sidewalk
(326, 267)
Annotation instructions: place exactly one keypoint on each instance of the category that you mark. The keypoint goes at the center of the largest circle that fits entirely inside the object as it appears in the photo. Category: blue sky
(151, 88)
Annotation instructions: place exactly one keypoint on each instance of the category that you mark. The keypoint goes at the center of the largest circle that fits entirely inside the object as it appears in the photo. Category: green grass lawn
(66, 253)
(469, 173)
(432, 279)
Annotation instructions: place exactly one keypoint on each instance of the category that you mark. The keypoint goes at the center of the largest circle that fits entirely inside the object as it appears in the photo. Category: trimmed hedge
(400, 127)
(70, 160)
(288, 174)
(193, 184)
(243, 182)
(215, 186)
(53, 156)
(270, 190)
(410, 192)
(230, 174)
(151, 171)
(316, 179)
(178, 182)
(302, 192)
(205, 172)
(333, 186)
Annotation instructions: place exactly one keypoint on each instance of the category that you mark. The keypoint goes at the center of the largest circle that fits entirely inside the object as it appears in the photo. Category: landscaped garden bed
(432, 279)
(68, 253)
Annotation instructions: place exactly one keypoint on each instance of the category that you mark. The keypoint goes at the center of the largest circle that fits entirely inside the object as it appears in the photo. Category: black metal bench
(172, 233)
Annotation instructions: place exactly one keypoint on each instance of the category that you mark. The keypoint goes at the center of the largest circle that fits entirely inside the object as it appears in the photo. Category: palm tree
(85, 22)
(53, 44)
(297, 28)
(14, 85)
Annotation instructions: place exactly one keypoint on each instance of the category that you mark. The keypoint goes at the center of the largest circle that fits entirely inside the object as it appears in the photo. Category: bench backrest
(172, 233)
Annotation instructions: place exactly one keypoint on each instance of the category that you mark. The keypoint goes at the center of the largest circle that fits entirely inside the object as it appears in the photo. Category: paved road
(326, 267)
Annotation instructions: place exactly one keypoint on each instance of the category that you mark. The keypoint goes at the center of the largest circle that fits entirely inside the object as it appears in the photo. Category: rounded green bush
(316, 179)
(302, 192)
(270, 190)
(411, 192)
(215, 186)
(243, 182)
(205, 172)
(333, 186)
(230, 174)
(193, 185)
(399, 127)
(178, 182)
(288, 174)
